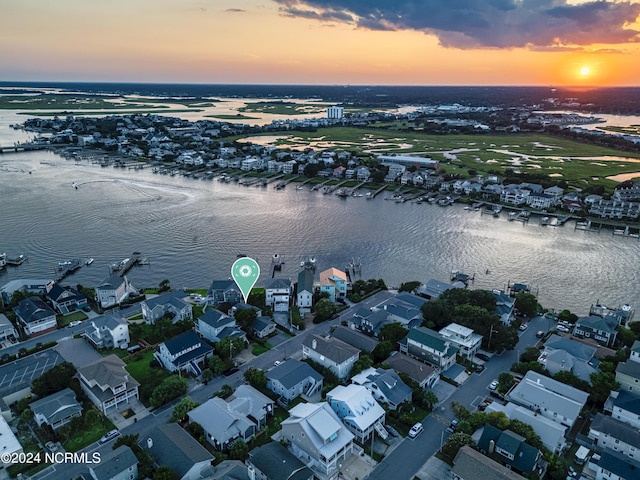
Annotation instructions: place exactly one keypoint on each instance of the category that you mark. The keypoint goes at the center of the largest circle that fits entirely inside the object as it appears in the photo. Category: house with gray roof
(107, 383)
(635, 352)
(223, 291)
(434, 288)
(511, 450)
(430, 347)
(229, 470)
(185, 352)
(263, 326)
(625, 407)
(369, 322)
(607, 432)
(318, 438)
(612, 465)
(304, 290)
(35, 315)
(278, 294)
(602, 330)
(169, 304)
(362, 342)
(293, 378)
(422, 373)
(358, 410)
(56, 409)
(550, 398)
(470, 464)
(171, 446)
(628, 374)
(107, 331)
(7, 330)
(386, 386)
(118, 464)
(272, 461)
(65, 299)
(250, 402)
(562, 354)
(331, 353)
(31, 285)
(505, 305)
(113, 290)
(215, 325)
(552, 434)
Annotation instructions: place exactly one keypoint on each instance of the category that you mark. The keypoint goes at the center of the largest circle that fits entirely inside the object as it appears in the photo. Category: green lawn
(88, 434)
(72, 317)
(259, 349)
(139, 367)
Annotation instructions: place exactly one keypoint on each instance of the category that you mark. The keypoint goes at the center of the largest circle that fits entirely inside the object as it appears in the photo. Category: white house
(172, 304)
(293, 378)
(107, 331)
(278, 294)
(331, 353)
(430, 347)
(468, 343)
(185, 352)
(358, 410)
(35, 315)
(113, 290)
(304, 295)
(107, 383)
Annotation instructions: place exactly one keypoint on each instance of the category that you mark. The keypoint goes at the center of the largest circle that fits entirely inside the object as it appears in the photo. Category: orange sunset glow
(329, 42)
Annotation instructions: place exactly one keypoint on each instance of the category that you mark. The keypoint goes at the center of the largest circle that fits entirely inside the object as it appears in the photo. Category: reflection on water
(192, 231)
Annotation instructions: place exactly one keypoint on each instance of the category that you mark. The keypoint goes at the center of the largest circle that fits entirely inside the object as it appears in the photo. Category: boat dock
(303, 183)
(15, 261)
(319, 185)
(276, 264)
(375, 192)
(121, 268)
(332, 188)
(284, 183)
(66, 268)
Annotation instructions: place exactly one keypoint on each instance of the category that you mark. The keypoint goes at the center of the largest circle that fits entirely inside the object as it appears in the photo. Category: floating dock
(15, 261)
(121, 268)
(64, 269)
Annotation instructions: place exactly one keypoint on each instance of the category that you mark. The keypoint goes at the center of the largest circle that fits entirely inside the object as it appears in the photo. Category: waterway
(192, 231)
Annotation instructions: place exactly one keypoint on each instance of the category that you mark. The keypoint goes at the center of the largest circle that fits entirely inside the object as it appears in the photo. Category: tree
(245, 317)
(207, 375)
(164, 286)
(239, 450)
(531, 354)
(382, 351)
(409, 286)
(505, 381)
(601, 385)
(393, 332)
(361, 364)
(625, 337)
(145, 462)
(256, 378)
(58, 378)
(454, 443)
(310, 170)
(570, 378)
(324, 309)
(228, 346)
(165, 473)
(182, 408)
(527, 304)
(170, 388)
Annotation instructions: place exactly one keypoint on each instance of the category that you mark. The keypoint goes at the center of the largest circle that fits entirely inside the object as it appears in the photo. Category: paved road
(201, 393)
(403, 462)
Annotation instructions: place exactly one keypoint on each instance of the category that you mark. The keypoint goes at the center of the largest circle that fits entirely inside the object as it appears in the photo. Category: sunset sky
(357, 42)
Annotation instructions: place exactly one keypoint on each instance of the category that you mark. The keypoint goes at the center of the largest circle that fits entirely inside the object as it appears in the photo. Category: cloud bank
(484, 23)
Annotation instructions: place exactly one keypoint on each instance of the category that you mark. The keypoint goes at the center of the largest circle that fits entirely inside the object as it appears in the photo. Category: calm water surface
(192, 230)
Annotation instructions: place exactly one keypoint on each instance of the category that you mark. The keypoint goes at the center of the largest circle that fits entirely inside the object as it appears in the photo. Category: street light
(490, 334)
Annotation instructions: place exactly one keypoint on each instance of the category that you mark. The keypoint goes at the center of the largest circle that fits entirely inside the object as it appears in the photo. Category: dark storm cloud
(484, 23)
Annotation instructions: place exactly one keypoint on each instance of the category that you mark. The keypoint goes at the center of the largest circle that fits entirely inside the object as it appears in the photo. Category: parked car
(52, 447)
(480, 368)
(75, 323)
(86, 308)
(540, 334)
(109, 436)
(562, 328)
(523, 327)
(482, 356)
(231, 371)
(493, 385)
(277, 363)
(453, 425)
(416, 430)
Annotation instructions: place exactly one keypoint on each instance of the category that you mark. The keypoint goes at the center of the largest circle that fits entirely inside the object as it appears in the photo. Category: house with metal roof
(35, 315)
(107, 331)
(119, 464)
(215, 325)
(386, 386)
(550, 398)
(422, 373)
(304, 293)
(169, 304)
(552, 434)
(171, 446)
(511, 450)
(331, 353)
(470, 464)
(358, 410)
(628, 374)
(607, 432)
(429, 346)
(318, 438)
(293, 378)
(434, 288)
(464, 338)
(272, 461)
(56, 409)
(185, 352)
(107, 383)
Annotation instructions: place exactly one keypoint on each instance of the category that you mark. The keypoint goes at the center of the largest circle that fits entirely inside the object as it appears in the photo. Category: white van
(416, 430)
